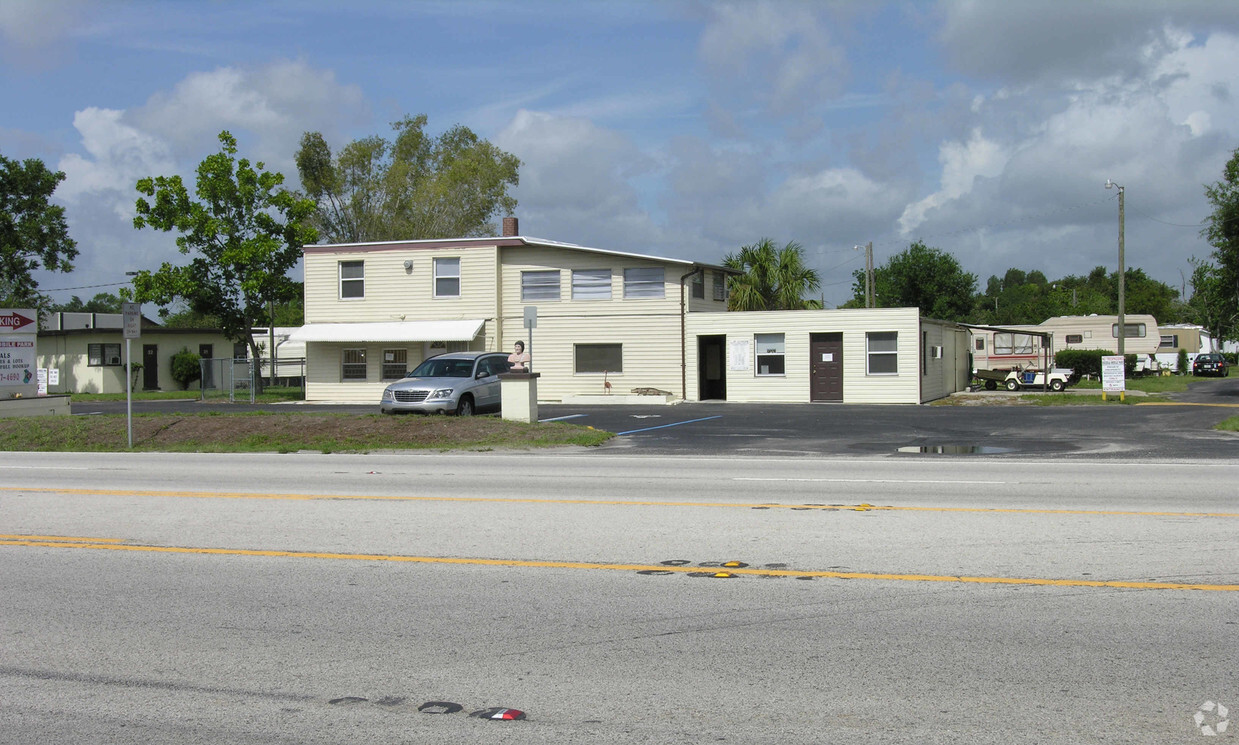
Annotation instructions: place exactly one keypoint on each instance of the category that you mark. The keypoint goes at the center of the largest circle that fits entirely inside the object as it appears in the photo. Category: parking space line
(562, 418)
(661, 568)
(673, 424)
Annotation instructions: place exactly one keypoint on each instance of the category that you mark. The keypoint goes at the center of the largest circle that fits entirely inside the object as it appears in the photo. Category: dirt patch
(287, 433)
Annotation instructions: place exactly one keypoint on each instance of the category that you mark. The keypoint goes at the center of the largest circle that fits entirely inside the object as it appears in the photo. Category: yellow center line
(66, 538)
(1185, 403)
(528, 564)
(862, 507)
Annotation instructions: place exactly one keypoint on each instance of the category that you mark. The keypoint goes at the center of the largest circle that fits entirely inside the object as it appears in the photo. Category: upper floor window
(447, 277)
(699, 285)
(540, 285)
(720, 286)
(591, 284)
(1169, 340)
(352, 279)
(1130, 330)
(644, 282)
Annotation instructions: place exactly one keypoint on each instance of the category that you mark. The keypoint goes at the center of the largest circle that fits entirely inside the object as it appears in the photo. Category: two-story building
(373, 311)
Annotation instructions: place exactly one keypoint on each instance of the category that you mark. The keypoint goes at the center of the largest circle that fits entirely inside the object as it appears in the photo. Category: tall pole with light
(1122, 272)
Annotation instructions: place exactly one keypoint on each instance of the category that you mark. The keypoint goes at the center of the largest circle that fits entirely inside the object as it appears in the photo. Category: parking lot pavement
(1144, 432)
(719, 428)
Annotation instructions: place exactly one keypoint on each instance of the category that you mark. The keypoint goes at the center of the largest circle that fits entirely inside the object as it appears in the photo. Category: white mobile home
(1007, 348)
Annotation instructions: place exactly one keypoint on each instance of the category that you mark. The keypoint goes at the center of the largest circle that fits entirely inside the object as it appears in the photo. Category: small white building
(645, 323)
(88, 351)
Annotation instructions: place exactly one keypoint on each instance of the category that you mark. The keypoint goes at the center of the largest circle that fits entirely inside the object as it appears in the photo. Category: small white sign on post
(1112, 375)
(133, 320)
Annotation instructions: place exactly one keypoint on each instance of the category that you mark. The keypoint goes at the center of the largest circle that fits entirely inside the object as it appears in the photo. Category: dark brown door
(825, 367)
(150, 367)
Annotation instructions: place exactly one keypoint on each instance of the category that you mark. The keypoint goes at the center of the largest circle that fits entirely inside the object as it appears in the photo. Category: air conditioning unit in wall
(114, 360)
(935, 353)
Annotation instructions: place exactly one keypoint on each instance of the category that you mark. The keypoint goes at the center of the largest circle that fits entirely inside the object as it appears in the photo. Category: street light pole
(1122, 272)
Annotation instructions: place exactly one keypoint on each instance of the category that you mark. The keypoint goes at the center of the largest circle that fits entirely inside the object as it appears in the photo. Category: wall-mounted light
(408, 265)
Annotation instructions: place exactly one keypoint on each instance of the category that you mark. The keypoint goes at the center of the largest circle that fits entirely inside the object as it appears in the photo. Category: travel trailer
(1011, 347)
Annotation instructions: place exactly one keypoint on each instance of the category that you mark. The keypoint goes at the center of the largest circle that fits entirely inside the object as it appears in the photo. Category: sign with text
(17, 361)
(133, 320)
(18, 334)
(20, 320)
(739, 354)
(1112, 375)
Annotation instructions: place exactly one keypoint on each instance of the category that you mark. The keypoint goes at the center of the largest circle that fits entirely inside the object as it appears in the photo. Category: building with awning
(605, 323)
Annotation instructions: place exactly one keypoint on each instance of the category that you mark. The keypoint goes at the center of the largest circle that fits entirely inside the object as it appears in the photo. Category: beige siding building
(607, 323)
(88, 352)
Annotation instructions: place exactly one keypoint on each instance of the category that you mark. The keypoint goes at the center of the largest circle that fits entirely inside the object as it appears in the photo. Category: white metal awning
(464, 330)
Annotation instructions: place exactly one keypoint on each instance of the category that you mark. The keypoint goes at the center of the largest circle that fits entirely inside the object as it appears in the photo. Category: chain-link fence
(227, 379)
(237, 379)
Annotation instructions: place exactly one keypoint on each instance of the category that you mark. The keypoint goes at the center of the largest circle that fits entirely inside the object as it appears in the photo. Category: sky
(678, 128)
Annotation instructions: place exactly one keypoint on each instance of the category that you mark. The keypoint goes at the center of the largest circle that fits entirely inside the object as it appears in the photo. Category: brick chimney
(511, 227)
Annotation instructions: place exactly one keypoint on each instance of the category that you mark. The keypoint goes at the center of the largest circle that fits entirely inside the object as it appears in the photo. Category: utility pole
(1122, 272)
(869, 274)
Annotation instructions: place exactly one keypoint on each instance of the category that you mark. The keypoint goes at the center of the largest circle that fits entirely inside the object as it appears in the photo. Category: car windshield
(441, 368)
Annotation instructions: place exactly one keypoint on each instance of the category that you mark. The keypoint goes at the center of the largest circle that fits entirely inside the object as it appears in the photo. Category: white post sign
(133, 330)
(1112, 376)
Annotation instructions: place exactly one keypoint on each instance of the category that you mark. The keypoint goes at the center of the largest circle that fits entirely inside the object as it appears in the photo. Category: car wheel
(1012, 385)
(1057, 386)
(465, 407)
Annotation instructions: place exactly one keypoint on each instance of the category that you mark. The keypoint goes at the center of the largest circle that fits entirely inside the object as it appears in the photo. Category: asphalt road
(1182, 428)
(302, 598)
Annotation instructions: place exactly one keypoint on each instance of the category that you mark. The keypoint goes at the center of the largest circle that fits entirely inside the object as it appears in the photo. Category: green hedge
(1087, 362)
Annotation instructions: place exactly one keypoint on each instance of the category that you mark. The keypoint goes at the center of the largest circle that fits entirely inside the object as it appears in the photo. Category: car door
(488, 393)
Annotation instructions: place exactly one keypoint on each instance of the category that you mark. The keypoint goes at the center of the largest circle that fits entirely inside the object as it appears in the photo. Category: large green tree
(920, 277)
(102, 302)
(773, 279)
(1221, 229)
(33, 231)
(413, 187)
(244, 231)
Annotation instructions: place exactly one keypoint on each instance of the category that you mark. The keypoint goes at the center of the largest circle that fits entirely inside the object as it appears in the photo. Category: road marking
(673, 424)
(870, 481)
(1184, 403)
(65, 538)
(33, 541)
(562, 418)
(863, 507)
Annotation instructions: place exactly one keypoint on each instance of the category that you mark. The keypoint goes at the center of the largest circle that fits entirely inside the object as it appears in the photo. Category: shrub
(1087, 362)
(186, 367)
(1181, 365)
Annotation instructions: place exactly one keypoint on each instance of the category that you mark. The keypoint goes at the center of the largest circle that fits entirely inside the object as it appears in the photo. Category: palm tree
(773, 279)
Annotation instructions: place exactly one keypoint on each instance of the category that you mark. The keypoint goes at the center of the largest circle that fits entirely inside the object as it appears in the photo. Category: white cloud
(274, 104)
(117, 155)
(962, 163)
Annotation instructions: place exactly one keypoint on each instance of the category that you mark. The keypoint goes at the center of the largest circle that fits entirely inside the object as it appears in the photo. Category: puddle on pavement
(955, 449)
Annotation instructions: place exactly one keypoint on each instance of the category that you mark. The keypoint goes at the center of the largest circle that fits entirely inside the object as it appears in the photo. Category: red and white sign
(17, 362)
(17, 320)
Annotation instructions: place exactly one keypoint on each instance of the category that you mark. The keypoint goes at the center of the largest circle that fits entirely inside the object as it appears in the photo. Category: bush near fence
(1087, 362)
